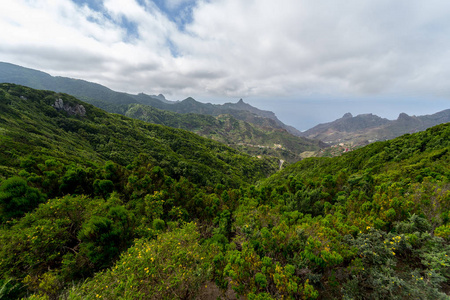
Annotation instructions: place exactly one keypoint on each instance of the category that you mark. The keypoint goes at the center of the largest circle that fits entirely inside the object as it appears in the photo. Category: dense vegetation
(239, 125)
(102, 206)
(117, 102)
(266, 138)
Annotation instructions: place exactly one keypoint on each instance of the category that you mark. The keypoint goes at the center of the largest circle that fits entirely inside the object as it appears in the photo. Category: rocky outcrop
(71, 110)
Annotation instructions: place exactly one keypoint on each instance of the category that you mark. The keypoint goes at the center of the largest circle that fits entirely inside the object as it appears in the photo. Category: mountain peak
(159, 97)
(240, 101)
(347, 116)
(403, 116)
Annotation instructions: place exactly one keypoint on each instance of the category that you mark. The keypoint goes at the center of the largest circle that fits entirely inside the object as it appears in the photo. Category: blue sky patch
(131, 27)
(92, 4)
(125, 23)
(180, 14)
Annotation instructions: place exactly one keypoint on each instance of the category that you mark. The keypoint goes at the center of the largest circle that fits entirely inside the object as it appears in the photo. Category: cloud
(356, 47)
(288, 49)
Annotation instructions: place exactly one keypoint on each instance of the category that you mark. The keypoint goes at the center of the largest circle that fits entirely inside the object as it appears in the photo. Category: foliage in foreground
(173, 266)
(371, 224)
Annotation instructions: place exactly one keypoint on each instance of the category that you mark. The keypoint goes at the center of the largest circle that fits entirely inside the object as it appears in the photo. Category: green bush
(104, 237)
(17, 198)
(159, 224)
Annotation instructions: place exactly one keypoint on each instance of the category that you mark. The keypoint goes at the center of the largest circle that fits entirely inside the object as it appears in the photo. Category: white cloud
(360, 46)
(280, 49)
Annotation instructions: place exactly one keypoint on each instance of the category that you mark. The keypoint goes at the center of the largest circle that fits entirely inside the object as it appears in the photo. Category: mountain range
(116, 102)
(239, 125)
(367, 128)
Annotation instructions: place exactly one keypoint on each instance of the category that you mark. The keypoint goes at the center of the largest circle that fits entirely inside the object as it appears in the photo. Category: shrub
(17, 198)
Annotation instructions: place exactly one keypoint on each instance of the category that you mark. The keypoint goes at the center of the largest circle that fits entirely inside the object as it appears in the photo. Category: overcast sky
(308, 61)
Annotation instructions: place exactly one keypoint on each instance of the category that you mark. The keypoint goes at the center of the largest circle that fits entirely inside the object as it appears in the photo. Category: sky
(309, 61)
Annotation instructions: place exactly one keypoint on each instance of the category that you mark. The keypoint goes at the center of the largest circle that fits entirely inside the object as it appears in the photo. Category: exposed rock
(80, 110)
(71, 110)
(59, 104)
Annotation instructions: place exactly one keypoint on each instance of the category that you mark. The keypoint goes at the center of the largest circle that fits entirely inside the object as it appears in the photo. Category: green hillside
(96, 205)
(266, 138)
(117, 102)
(249, 129)
(31, 125)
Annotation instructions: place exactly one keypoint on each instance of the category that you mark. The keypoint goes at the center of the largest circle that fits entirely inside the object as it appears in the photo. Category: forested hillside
(32, 125)
(96, 205)
(240, 125)
(264, 139)
(118, 102)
